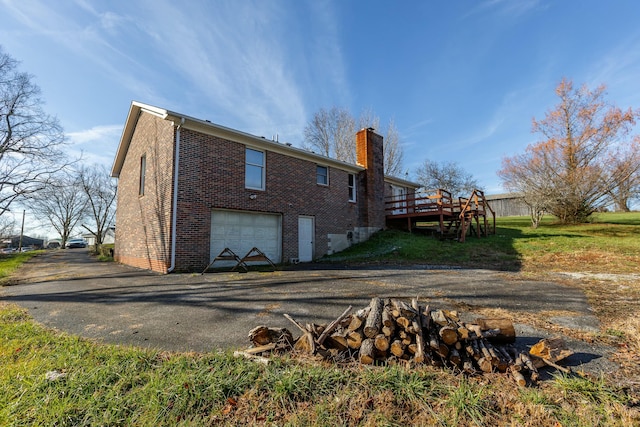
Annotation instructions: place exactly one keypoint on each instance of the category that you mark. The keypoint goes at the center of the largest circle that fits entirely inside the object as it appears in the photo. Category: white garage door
(242, 231)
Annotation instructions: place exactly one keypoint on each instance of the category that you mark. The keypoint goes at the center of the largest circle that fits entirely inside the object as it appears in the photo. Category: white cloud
(96, 134)
(96, 145)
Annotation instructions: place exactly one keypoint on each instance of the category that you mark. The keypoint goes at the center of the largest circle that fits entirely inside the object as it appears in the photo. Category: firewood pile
(391, 331)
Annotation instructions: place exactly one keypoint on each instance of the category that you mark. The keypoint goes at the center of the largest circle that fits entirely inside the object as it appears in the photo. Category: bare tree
(7, 226)
(393, 154)
(61, 203)
(625, 167)
(332, 134)
(446, 175)
(571, 169)
(30, 140)
(100, 190)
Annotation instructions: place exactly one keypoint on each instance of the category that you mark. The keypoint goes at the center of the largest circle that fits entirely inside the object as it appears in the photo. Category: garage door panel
(242, 231)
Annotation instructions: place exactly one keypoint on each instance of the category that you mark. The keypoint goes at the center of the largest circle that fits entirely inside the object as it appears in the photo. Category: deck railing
(440, 201)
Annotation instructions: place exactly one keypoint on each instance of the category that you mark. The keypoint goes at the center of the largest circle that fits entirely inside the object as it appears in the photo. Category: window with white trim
(352, 187)
(322, 175)
(254, 169)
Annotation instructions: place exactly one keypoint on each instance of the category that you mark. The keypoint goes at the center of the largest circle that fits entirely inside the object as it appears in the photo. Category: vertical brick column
(370, 155)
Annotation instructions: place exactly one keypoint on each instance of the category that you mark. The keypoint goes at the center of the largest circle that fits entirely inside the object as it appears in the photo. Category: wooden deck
(440, 213)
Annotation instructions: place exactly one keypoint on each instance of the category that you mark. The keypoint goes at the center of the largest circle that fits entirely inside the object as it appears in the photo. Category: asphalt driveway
(70, 291)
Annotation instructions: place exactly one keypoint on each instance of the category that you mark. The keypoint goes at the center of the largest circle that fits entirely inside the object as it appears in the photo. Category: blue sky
(461, 79)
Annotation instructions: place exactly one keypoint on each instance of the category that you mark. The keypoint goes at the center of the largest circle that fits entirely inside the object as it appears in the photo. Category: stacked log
(391, 331)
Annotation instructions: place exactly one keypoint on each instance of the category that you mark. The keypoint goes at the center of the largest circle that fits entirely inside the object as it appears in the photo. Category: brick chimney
(369, 154)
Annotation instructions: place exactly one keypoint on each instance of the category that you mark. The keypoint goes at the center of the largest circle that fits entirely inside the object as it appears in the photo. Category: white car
(76, 243)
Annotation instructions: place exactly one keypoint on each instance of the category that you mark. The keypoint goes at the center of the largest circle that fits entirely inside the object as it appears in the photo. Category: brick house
(188, 189)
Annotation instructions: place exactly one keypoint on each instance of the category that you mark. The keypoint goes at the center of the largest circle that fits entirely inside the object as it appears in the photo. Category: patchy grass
(10, 262)
(610, 243)
(111, 385)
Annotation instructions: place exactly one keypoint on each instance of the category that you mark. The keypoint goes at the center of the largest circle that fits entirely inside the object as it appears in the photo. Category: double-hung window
(352, 187)
(322, 175)
(254, 176)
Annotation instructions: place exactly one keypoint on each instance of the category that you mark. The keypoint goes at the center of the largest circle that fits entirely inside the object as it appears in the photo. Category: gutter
(174, 204)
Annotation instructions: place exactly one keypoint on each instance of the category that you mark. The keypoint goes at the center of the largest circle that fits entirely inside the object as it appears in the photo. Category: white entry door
(306, 235)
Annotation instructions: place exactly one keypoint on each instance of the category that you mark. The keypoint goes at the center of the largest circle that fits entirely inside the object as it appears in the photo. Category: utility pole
(21, 231)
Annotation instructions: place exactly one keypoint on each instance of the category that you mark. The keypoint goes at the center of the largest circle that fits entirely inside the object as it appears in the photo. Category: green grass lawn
(106, 385)
(611, 242)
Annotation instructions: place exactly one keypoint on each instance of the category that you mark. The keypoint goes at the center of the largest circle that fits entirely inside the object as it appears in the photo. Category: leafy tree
(332, 134)
(31, 141)
(446, 175)
(100, 191)
(61, 203)
(570, 171)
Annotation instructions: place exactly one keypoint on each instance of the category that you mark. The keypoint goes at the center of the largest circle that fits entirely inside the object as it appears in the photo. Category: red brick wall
(211, 176)
(143, 222)
(212, 172)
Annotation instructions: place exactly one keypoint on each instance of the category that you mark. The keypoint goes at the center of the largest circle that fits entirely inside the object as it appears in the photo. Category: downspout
(174, 204)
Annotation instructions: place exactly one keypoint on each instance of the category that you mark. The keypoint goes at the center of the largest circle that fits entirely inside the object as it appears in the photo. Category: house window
(143, 171)
(322, 175)
(254, 169)
(352, 187)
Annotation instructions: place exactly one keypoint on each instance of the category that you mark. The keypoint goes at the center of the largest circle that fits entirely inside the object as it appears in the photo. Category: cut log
(402, 309)
(449, 335)
(438, 317)
(463, 333)
(387, 318)
(261, 349)
(439, 348)
(485, 365)
(452, 315)
(305, 343)
(454, 357)
(404, 323)
(332, 326)
(358, 318)
(262, 335)
(517, 376)
(388, 331)
(367, 352)
(419, 356)
(381, 342)
(507, 333)
(425, 319)
(373, 323)
(354, 339)
(552, 349)
(530, 366)
(336, 341)
(397, 348)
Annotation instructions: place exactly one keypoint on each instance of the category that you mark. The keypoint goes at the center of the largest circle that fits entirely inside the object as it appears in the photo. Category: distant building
(508, 204)
(109, 237)
(14, 242)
